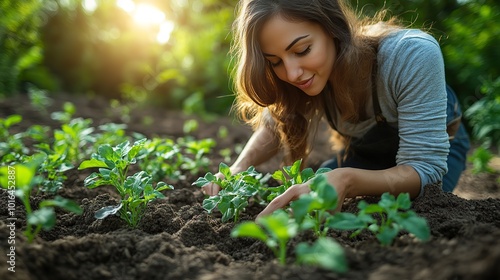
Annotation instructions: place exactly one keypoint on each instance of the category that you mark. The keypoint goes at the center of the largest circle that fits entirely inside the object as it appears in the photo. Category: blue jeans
(459, 146)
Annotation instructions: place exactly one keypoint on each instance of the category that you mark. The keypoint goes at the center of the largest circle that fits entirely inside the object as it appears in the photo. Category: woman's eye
(306, 51)
(275, 64)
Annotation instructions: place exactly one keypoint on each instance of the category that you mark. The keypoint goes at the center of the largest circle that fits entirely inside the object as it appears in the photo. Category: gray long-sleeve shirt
(411, 89)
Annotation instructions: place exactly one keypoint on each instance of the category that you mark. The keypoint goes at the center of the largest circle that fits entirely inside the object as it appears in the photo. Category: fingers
(284, 199)
(210, 189)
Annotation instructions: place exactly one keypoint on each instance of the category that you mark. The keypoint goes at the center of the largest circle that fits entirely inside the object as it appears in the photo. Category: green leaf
(228, 214)
(326, 191)
(301, 207)
(306, 174)
(200, 182)
(417, 226)
(210, 203)
(161, 186)
(12, 120)
(387, 234)
(23, 176)
(404, 201)
(373, 208)
(107, 211)
(92, 163)
(224, 169)
(249, 229)
(95, 180)
(325, 253)
(279, 225)
(345, 221)
(294, 170)
(45, 217)
(64, 203)
(278, 175)
(387, 201)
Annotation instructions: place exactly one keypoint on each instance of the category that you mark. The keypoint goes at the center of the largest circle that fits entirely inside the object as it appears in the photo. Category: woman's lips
(305, 84)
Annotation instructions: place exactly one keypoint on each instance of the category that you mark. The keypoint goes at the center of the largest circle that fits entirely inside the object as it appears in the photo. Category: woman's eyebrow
(295, 41)
(291, 44)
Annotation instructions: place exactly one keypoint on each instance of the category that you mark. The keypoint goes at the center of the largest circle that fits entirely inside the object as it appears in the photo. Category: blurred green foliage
(76, 47)
(106, 52)
(20, 46)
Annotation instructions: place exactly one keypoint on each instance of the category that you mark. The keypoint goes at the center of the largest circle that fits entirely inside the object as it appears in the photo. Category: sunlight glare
(145, 14)
(166, 29)
(126, 5)
(89, 5)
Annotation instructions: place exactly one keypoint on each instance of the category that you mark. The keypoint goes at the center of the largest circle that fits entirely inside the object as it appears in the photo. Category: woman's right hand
(212, 189)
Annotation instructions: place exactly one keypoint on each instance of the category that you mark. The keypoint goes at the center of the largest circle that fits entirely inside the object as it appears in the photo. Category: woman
(381, 88)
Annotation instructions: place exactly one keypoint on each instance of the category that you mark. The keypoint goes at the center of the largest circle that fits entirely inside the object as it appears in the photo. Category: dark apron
(376, 149)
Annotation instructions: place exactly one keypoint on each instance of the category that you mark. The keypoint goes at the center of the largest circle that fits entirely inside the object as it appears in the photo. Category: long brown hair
(294, 114)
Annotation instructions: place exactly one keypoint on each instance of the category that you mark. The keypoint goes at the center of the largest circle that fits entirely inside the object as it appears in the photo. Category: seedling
(19, 180)
(163, 158)
(111, 133)
(236, 190)
(312, 209)
(136, 191)
(289, 176)
(195, 151)
(394, 215)
(12, 148)
(53, 167)
(74, 136)
(66, 115)
(274, 230)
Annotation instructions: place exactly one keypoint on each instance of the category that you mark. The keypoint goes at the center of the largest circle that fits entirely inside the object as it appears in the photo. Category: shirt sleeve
(419, 88)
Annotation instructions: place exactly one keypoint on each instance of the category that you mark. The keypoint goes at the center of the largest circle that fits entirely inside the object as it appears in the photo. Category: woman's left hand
(295, 191)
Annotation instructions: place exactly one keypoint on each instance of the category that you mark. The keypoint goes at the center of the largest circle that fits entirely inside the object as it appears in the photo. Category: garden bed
(178, 239)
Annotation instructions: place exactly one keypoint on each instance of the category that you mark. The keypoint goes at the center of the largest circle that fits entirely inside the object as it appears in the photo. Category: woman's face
(300, 53)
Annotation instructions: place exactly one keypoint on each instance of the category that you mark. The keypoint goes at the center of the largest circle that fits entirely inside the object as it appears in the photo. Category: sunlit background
(174, 53)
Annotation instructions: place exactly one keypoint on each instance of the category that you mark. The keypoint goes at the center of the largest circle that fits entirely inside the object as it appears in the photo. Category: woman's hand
(212, 189)
(335, 179)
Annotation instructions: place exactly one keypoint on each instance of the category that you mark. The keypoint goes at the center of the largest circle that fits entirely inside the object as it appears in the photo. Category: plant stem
(282, 253)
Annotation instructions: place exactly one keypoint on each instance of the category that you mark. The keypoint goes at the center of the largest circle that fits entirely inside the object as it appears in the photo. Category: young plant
(163, 158)
(195, 150)
(274, 230)
(12, 148)
(136, 191)
(75, 136)
(111, 133)
(53, 167)
(394, 216)
(311, 210)
(480, 160)
(66, 115)
(20, 180)
(236, 190)
(289, 176)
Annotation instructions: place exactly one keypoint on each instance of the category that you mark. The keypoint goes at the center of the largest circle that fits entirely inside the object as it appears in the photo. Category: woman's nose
(293, 70)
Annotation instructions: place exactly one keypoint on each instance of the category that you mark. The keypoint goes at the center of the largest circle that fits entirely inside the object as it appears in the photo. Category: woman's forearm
(395, 180)
(260, 147)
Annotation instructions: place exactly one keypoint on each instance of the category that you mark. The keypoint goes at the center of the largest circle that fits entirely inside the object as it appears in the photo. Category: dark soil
(178, 239)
